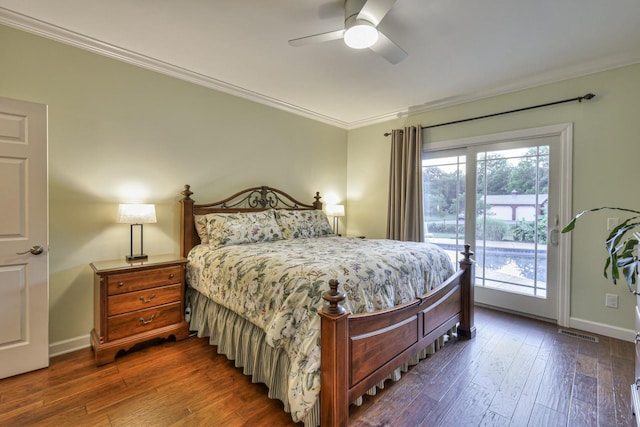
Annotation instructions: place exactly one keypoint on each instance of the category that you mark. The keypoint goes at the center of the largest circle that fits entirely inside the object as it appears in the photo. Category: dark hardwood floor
(517, 372)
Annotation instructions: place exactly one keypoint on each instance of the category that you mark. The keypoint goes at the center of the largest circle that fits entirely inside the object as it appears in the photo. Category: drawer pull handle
(637, 337)
(120, 284)
(147, 300)
(146, 322)
(171, 276)
(637, 383)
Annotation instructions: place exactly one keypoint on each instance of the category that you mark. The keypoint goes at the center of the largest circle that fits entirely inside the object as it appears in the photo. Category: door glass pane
(444, 202)
(511, 220)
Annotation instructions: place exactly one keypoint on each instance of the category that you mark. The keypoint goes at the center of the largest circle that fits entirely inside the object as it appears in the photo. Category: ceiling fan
(362, 18)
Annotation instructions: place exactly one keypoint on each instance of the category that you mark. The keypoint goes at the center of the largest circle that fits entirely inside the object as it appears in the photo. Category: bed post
(467, 328)
(334, 388)
(187, 229)
(317, 204)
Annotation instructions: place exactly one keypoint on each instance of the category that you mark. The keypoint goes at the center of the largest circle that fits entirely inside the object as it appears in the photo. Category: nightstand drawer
(135, 281)
(128, 324)
(147, 298)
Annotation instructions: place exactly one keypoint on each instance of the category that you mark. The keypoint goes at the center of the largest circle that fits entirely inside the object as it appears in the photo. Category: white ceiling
(459, 50)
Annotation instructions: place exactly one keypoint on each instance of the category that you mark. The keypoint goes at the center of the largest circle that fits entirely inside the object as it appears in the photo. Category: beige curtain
(404, 213)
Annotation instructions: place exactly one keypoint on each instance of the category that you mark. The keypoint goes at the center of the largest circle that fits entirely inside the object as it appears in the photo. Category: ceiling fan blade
(317, 38)
(386, 48)
(374, 10)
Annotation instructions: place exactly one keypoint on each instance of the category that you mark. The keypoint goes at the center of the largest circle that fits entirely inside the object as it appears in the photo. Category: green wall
(606, 149)
(120, 133)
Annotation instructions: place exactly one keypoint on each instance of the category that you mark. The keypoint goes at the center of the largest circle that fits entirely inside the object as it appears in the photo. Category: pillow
(242, 227)
(201, 228)
(305, 223)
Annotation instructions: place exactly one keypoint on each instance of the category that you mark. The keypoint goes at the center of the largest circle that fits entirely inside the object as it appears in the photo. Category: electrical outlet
(612, 223)
(611, 300)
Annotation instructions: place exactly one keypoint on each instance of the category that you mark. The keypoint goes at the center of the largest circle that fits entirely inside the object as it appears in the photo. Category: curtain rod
(579, 99)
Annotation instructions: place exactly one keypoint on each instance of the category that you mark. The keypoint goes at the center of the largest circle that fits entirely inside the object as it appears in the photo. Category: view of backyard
(510, 217)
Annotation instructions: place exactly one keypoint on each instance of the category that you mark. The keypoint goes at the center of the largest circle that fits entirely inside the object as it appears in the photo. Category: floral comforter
(278, 286)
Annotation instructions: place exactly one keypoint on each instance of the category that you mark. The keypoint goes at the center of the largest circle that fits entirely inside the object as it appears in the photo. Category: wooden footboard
(358, 351)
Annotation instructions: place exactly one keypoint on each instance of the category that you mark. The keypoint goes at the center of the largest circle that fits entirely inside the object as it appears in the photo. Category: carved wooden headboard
(252, 199)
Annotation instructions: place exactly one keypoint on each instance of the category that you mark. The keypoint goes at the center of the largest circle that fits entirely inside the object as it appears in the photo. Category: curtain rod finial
(587, 97)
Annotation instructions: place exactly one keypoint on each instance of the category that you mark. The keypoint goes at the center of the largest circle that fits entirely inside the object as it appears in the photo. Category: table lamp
(335, 211)
(136, 214)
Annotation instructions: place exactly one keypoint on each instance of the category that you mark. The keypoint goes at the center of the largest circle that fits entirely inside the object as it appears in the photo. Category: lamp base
(134, 258)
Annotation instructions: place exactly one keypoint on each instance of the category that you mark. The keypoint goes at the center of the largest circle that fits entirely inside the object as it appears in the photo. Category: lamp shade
(335, 210)
(136, 213)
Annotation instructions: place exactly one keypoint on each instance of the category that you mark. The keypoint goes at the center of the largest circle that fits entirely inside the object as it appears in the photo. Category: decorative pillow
(242, 227)
(201, 228)
(305, 223)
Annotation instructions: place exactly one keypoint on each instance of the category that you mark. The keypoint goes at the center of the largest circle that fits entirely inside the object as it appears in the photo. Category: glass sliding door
(511, 223)
(504, 198)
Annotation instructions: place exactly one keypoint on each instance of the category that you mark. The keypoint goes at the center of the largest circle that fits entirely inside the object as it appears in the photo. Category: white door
(24, 260)
(508, 195)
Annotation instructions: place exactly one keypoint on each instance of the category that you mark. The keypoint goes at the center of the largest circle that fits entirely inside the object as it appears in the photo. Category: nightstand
(136, 302)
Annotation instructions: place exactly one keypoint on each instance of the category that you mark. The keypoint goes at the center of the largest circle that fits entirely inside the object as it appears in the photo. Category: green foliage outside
(497, 230)
(444, 192)
(525, 231)
(491, 229)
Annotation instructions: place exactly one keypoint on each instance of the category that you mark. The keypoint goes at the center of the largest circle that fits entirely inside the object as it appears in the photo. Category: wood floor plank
(606, 399)
(543, 416)
(163, 410)
(411, 415)
(491, 419)
(10, 412)
(211, 418)
(107, 400)
(585, 388)
(527, 399)
(76, 416)
(440, 384)
(511, 388)
(557, 382)
(517, 371)
(604, 350)
(91, 384)
(475, 399)
(587, 364)
(443, 405)
(582, 414)
(492, 373)
(623, 375)
(68, 404)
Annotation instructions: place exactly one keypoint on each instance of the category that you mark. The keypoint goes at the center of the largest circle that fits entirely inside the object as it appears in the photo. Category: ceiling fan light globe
(361, 36)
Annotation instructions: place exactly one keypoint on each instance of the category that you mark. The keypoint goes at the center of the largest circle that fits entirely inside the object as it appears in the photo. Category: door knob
(35, 250)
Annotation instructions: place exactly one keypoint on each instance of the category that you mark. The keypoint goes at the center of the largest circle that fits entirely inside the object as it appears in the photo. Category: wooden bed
(357, 351)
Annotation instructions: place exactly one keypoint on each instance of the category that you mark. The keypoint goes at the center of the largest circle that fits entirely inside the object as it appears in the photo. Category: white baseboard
(67, 346)
(603, 329)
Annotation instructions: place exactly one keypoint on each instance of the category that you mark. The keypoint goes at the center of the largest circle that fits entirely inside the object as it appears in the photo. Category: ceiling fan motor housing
(351, 10)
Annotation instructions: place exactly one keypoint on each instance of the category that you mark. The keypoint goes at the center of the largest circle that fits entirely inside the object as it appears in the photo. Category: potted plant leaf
(622, 248)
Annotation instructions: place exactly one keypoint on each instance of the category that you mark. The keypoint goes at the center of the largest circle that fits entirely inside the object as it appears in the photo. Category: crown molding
(53, 32)
(536, 80)
(540, 79)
